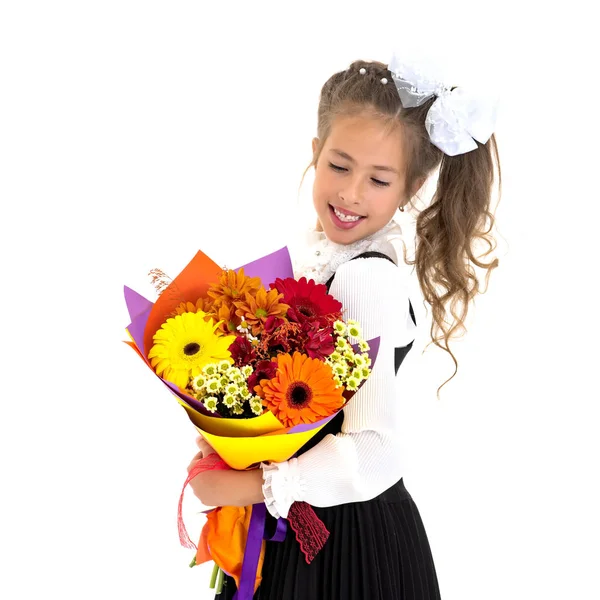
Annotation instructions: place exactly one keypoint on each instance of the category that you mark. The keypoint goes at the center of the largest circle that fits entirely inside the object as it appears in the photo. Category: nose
(352, 193)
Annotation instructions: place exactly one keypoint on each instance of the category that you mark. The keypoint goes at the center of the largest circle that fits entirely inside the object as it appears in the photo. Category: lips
(346, 212)
(345, 225)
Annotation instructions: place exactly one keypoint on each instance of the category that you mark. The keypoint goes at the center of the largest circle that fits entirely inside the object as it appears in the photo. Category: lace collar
(319, 258)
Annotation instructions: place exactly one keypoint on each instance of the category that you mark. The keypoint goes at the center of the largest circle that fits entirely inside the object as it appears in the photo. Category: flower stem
(219, 582)
(193, 563)
(213, 577)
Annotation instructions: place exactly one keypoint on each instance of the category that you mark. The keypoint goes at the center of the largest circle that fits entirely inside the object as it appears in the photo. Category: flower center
(308, 310)
(261, 312)
(191, 349)
(299, 394)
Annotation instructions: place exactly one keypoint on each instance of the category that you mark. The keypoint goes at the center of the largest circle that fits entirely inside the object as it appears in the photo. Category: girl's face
(359, 178)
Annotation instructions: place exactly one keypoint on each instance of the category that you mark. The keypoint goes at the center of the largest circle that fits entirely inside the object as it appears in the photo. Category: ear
(315, 144)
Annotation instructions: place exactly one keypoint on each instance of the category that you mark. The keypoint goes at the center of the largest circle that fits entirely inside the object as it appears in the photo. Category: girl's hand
(225, 487)
(198, 484)
(205, 450)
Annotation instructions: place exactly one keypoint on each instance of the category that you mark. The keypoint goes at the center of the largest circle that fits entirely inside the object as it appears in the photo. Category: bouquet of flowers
(259, 371)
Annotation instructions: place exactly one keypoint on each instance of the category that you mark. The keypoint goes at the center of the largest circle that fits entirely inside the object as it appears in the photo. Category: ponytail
(448, 231)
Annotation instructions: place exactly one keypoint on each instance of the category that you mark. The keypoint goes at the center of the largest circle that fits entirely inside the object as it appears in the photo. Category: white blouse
(364, 459)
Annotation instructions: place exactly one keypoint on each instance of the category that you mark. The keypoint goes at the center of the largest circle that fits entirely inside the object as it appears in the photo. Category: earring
(401, 208)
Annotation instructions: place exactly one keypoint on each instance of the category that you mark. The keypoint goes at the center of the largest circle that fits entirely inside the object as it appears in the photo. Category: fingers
(196, 458)
(205, 450)
(204, 446)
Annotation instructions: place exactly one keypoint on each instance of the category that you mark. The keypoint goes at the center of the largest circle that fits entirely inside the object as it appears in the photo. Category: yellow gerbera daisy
(184, 344)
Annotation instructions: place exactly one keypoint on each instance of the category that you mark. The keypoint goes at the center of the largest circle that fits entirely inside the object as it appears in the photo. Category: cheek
(384, 206)
(319, 188)
(392, 204)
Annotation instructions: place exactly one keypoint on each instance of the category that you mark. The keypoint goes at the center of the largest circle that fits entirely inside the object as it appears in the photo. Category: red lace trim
(310, 531)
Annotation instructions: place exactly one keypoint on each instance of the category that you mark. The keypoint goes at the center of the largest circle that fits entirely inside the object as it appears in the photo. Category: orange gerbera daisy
(256, 308)
(232, 286)
(202, 305)
(302, 391)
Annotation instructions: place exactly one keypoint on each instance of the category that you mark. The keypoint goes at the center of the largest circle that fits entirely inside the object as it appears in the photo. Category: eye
(377, 182)
(337, 168)
(381, 183)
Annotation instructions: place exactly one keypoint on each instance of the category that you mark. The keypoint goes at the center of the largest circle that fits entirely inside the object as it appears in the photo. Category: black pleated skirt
(377, 550)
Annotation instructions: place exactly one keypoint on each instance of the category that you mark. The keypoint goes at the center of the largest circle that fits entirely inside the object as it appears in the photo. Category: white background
(135, 133)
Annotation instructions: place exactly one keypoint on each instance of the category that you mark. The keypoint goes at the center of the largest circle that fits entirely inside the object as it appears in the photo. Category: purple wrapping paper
(270, 267)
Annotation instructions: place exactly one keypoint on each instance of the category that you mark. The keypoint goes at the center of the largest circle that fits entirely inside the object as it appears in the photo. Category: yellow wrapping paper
(243, 443)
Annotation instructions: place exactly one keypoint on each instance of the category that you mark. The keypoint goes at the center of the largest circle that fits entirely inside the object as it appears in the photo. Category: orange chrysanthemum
(202, 305)
(302, 391)
(256, 308)
(232, 286)
(228, 320)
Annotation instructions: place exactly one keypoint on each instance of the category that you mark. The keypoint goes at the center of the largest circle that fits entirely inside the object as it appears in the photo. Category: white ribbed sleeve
(364, 459)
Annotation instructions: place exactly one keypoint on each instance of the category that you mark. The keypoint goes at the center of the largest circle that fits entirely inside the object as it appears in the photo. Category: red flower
(242, 351)
(272, 323)
(308, 301)
(280, 342)
(281, 336)
(264, 369)
(320, 343)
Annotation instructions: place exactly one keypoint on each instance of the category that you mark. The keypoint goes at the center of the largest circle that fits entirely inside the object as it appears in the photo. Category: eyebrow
(378, 167)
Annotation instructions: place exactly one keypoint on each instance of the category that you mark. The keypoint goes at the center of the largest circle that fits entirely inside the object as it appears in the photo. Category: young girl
(381, 132)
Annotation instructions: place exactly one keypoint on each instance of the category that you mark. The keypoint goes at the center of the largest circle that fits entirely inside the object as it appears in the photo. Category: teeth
(343, 217)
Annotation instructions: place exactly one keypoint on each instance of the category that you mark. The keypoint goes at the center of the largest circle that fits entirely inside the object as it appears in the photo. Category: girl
(381, 132)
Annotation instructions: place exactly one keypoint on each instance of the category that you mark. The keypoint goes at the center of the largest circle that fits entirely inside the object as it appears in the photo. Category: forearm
(340, 469)
(229, 488)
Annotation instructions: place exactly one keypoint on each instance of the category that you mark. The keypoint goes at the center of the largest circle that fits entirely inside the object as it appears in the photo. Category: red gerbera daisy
(308, 301)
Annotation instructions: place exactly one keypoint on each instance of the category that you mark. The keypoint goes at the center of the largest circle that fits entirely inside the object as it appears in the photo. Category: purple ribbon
(256, 534)
(279, 533)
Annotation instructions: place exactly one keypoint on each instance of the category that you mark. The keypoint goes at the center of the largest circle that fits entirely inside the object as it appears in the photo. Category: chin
(342, 237)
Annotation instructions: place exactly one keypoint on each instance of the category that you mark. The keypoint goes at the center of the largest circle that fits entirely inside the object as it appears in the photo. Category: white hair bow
(457, 118)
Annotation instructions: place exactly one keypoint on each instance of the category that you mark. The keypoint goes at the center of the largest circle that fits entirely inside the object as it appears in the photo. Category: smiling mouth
(345, 217)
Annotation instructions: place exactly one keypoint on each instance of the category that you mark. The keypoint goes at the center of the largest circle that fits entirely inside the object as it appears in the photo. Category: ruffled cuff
(282, 486)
